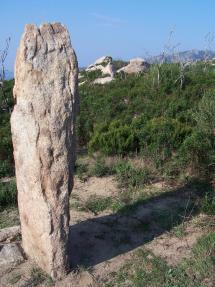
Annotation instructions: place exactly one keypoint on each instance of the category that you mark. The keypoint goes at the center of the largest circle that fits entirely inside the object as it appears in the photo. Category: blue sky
(120, 28)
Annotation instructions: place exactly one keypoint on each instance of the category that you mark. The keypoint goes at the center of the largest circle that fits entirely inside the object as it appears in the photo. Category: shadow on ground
(102, 238)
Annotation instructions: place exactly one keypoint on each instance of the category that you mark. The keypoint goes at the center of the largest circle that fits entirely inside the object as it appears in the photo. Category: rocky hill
(184, 56)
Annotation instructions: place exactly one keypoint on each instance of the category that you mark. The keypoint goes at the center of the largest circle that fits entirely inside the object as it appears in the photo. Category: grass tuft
(145, 269)
(128, 176)
(98, 204)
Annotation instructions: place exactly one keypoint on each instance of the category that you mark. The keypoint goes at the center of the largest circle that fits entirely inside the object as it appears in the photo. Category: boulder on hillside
(104, 64)
(135, 66)
(212, 61)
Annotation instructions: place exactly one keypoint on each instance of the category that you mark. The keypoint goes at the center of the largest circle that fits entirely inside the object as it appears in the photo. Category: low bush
(92, 75)
(6, 149)
(195, 153)
(113, 139)
(98, 204)
(6, 168)
(208, 204)
(160, 139)
(205, 114)
(129, 176)
(80, 169)
(8, 193)
(100, 168)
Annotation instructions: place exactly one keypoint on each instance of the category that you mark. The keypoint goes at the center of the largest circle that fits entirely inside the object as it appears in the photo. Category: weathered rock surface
(103, 64)
(135, 66)
(10, 255)
(9, 233)
(46, 77)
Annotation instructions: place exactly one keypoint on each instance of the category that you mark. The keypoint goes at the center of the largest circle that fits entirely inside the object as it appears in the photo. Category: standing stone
(42, 123)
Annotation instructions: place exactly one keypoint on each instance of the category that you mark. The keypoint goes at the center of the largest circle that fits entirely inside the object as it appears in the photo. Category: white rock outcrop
(42, 123)
(103, 64)
(135, 66)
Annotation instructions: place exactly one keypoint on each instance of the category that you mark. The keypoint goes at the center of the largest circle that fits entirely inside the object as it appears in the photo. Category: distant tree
(3, 56)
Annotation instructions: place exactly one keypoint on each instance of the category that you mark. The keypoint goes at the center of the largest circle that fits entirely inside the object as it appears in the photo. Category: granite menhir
(42, 123)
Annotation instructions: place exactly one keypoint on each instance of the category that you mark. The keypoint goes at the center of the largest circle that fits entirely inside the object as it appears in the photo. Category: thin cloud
(107, 20)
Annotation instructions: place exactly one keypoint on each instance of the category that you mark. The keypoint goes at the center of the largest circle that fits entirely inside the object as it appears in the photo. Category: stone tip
(57, 27)
(30, 27)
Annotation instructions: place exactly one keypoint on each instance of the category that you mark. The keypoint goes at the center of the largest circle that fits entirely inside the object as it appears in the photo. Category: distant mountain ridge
(184, 56)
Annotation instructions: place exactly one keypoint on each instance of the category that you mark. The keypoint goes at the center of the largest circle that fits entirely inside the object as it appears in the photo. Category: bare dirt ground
(95, 186)
(100, 244)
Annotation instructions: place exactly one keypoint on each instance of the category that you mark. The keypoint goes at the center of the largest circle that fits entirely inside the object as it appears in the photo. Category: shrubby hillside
(166, 116)
(168, 120)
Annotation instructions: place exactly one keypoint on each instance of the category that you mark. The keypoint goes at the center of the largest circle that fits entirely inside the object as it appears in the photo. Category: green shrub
(195, 152)
(113, 139)
(92, 75)
(8, 193)
(129, 176)
(81, 169)
(98, 204)
(205, 115)
(6, 168)
(100, 168)
(198, 148)
(6, 149)
(160, 138)
(208, 204)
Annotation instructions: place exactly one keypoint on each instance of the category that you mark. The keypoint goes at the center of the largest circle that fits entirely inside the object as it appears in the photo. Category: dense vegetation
(6, 153)
(167, 120)
(165, 117)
